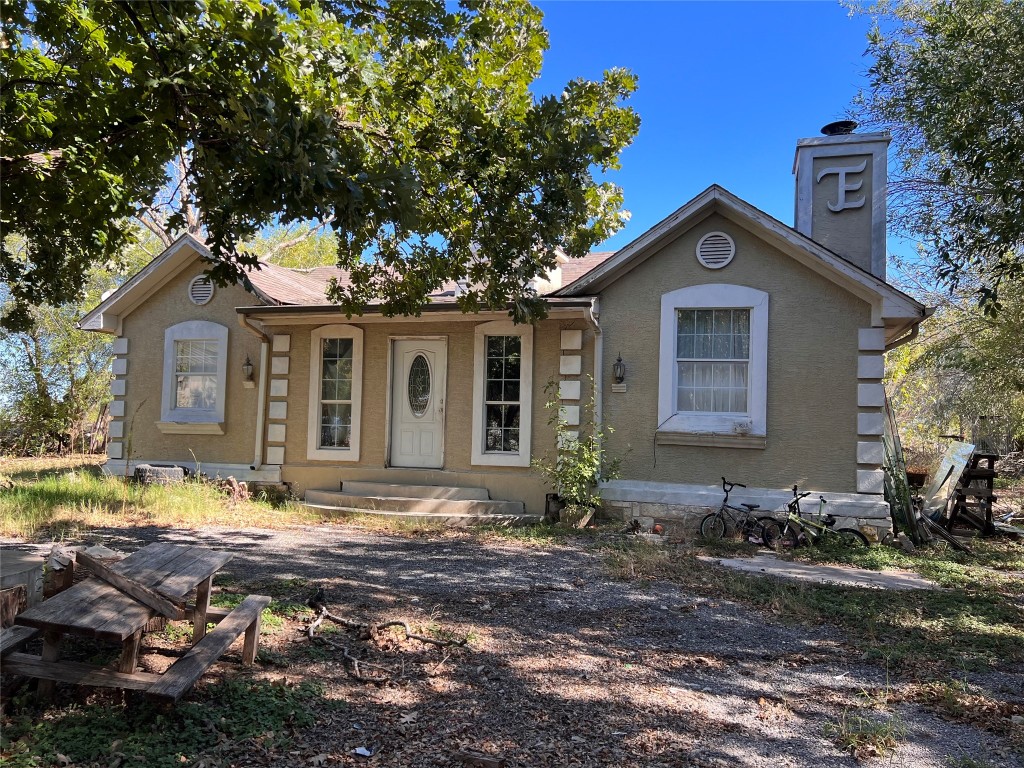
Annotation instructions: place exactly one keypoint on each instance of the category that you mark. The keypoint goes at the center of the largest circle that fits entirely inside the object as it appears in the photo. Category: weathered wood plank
(134, 589)
(184, 673)
(214, 615)
(12, 638)
(92, 608)
(199, 612)
(51, 652)
(182, 576)
(76, 672)
(130, 653)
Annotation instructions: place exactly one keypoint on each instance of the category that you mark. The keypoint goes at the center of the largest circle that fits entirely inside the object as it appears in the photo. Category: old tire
(713, 526)
(853, 539)
(161, 474)
(771, 531)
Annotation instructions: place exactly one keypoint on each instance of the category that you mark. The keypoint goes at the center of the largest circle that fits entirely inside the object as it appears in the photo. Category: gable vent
(715, 250)
(200, 290)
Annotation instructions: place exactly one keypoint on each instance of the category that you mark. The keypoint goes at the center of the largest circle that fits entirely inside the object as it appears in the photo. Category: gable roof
(271, 284)
(891, 302)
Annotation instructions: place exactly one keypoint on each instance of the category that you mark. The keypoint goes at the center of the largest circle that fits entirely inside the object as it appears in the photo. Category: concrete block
(116, 408)
(120, 346)
(569, 414)
(119, 366)
(570, 365)
(870, 367)
(275, 454)
(572, 339)
(870, 481)
(870, 424)
(276, 433)
(282, 342)
(871, 453)
(115, 429)
(871, 339)
(279, 366)
(117, 388)
(278, 410)
(568, 390)
(870, 395)
(114, 450)
(279, 387)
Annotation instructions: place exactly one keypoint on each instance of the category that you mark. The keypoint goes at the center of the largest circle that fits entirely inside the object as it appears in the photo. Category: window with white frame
(714, 361)
(194, 381)
(502, 394)
(335, 392)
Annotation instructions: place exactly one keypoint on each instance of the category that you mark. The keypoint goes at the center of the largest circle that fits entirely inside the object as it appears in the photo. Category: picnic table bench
(121, 603)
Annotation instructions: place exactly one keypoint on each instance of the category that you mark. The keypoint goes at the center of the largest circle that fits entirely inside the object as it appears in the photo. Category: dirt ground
(564, 665)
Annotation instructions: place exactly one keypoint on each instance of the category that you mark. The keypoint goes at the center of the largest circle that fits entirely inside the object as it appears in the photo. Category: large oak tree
(408, 125)
(948, 81)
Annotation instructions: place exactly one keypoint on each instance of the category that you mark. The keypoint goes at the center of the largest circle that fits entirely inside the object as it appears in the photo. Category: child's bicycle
(799, 531)
(756, 530)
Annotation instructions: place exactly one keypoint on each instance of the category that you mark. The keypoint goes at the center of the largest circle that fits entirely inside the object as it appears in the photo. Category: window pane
(721, 347)
(722, 400)
(739, 401)
(723, 322)
(512, 366)
(335, 425)
(502, 390)
(510, 440)
(495, 346)
(703, 321)
(196, 391)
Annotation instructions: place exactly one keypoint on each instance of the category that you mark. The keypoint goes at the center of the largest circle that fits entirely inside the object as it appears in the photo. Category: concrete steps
(438, 505)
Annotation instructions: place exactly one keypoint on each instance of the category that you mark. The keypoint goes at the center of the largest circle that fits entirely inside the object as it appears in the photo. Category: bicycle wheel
(770, 531)
(788, 538)
(713, 526)
(852, 538)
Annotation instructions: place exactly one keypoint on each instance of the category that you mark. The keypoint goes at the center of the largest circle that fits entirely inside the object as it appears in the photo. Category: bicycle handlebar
(731, 485)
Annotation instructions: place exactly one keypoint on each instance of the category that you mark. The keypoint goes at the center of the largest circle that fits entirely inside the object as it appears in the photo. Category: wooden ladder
(974, 495)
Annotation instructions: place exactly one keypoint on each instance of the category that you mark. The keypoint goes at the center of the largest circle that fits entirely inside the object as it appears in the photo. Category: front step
(357, 488)
(445, 511)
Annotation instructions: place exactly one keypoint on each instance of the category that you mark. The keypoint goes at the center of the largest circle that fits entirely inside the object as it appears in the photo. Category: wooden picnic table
(120, 602)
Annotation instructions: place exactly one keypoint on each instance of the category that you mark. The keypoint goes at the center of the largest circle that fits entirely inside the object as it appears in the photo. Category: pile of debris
(1011, 465)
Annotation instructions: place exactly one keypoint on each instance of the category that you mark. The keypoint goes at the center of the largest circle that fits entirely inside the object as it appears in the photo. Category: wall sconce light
(247, 381)
(619, 370)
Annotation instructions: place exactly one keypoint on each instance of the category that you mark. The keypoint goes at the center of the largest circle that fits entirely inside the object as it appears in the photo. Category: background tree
(948, 82)
(408, 126)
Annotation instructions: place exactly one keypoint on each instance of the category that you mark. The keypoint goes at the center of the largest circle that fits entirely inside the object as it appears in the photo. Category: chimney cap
(839, 128)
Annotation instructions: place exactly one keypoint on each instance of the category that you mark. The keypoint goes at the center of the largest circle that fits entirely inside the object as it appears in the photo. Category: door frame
(391, 396)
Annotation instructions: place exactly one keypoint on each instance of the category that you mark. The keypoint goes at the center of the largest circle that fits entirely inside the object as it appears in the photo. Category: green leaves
(948, 81)
(409, 125)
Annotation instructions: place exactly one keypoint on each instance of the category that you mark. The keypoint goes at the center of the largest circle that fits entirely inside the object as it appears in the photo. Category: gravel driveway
(568, 667)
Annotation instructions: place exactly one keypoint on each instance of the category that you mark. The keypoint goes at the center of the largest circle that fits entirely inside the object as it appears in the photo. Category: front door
(419, 368)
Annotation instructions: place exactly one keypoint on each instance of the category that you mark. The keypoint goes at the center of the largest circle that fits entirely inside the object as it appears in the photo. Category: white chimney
(840, 193)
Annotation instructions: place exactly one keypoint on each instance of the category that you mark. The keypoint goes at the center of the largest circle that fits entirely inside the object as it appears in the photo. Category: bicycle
(799, 531)
(753, 529)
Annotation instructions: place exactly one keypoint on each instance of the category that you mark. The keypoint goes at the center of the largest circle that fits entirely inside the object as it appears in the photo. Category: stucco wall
(144, 328)
(812, 369)
(511, 483)
(847, 232)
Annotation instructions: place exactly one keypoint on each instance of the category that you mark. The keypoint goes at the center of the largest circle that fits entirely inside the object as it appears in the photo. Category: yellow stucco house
(752, 350)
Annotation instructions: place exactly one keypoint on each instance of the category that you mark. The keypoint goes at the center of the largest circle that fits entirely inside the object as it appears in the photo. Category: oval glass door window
(419, 385)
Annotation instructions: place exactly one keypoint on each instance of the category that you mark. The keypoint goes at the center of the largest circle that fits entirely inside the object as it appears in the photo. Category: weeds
(866, 737)
(951, 628)
(141, 733)
(60, 499)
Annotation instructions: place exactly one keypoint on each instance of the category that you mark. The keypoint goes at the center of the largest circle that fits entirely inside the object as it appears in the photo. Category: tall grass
(62, 500)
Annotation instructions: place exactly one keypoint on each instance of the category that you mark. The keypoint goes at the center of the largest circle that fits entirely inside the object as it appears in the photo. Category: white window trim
(313, 449)
(479, 455)
(171, 417)
(714, 296)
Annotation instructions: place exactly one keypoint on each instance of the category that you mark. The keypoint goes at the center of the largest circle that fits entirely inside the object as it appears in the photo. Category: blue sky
(726, 89)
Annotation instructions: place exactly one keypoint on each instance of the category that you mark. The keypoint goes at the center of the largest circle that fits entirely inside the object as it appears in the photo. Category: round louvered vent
(200, 290)
(715, 250)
